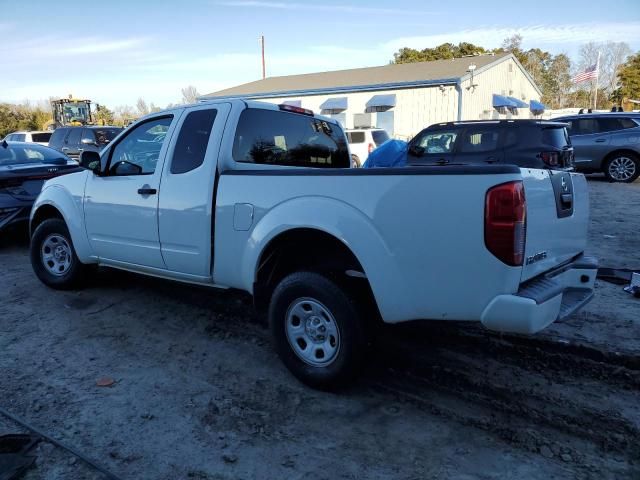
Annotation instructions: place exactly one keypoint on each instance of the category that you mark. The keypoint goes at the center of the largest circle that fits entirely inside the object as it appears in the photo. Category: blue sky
(115, 51)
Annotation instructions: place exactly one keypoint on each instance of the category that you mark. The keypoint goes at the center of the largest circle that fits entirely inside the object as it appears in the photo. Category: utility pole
(264, 72)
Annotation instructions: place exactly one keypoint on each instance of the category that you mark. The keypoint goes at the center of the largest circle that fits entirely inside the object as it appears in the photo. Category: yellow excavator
(71, 112)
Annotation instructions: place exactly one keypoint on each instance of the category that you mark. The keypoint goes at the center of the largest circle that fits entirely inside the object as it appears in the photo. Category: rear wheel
(317, 330)
(53, 257)
(622, 167)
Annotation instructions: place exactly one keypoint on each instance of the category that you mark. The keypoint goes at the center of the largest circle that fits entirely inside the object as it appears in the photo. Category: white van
(363, 141)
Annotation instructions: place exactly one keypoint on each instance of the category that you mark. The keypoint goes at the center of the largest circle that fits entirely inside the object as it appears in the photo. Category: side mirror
(91, 161)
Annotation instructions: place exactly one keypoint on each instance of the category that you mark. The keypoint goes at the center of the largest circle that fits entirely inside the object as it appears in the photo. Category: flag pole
(595, 97)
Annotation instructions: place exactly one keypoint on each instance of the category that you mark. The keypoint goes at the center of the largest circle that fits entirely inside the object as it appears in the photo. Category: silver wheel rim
(56, 254)
(622, 168)
(312, 332)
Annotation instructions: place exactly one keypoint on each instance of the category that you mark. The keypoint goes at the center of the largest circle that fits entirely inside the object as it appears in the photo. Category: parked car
(72, 141)
(260, 198)
(606, 142)
(363, 141)
(525, 143)
(41, 137)
(23, 169)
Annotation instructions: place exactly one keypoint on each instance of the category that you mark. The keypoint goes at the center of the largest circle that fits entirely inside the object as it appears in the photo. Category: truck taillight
(551, 159)
(370, 148)
(505, 222)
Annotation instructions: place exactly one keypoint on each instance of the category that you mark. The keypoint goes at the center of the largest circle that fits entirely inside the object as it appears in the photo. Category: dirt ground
(200, 394)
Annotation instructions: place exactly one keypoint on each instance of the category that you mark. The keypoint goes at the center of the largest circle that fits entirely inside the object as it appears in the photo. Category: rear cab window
(273, 137)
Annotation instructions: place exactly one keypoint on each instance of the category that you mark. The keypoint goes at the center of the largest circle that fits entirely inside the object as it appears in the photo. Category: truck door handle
(64, 149)
(147, 191)
(601, 140)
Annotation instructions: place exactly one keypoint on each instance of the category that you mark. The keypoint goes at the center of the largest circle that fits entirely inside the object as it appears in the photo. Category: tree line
(36, 116)
(619, 79)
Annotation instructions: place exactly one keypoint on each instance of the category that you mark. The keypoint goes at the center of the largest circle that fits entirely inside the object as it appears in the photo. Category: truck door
(187, 196)
(121, 206)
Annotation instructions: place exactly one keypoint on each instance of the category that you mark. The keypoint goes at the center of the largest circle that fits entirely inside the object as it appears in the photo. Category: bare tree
(612, 55)
(142, 107)
(616, 55)
(123, 114)
(190, 94)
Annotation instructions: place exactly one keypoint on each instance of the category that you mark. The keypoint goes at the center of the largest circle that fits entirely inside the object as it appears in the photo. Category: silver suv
(606, 142)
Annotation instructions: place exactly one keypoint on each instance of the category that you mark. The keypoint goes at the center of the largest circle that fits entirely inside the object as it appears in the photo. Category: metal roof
(371, 78)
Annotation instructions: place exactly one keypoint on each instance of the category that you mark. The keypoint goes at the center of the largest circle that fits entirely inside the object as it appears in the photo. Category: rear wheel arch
(309, 249)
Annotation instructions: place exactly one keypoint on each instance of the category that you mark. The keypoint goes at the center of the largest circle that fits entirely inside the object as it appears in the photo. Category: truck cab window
(192, 141)
(138, 152)
(281, 138)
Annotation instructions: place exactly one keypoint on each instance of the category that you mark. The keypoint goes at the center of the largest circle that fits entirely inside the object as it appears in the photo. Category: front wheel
(53, 257)
(622, 167)
(317, 330)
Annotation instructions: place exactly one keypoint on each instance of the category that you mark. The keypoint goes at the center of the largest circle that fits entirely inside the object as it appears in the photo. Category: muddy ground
(199, 393)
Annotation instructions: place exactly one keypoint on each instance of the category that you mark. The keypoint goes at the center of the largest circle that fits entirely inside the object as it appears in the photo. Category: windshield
(15, 154)
(105, 135)
(76, 112)
(380, 136)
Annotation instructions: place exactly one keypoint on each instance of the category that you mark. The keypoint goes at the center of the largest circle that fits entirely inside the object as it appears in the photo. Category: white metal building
(405, 98)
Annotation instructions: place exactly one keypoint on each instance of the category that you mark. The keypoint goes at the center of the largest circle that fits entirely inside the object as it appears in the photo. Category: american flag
(589, 73)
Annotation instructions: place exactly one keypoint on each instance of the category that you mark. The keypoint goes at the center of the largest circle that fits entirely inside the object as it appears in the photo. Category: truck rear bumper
(544, 299)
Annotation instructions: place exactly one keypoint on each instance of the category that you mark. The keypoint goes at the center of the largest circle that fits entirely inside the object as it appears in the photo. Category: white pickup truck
(259, 197)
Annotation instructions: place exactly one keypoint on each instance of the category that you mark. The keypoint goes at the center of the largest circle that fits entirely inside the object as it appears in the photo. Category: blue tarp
(335, 103)
(517, 102)
(382, 101)
(392, 153)
(536, 106)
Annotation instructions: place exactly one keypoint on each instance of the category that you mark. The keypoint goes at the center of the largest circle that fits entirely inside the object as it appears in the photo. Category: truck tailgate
(557, 219)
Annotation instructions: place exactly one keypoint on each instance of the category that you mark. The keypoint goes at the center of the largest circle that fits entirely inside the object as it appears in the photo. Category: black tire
(74, 274)
(355, 161)
(347, 361)
(623, 157)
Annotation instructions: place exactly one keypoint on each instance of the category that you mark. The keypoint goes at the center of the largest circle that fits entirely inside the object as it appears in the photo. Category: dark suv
(525, 143)
(608, 143)
(74, 140)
